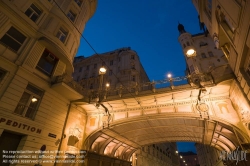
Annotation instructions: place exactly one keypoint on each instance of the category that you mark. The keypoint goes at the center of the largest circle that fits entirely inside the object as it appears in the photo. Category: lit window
(2, 74)
(47, 63)
(203, 55)
(71, 16)
(79, 2)
(33, 12)
(13, 39)
(28, 104)
(111, 63)
(210, 54)
(62, 34)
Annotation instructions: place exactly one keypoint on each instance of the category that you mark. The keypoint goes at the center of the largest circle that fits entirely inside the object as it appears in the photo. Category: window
(33, 12)
(119, 59)
(80, 69)
(110, 72)
(79, 2)
(184, 45)
(13, 39)
(248, 70)
(111, 63)
(133, 79)
(210, 54)
(203, 55)
(203, 44)
(95, 65)
(2, 74)
(132, 56)
(62, 34)
(87, 68)
(47, 63)
(133, 67)
(91, 86)
(71, 16)
(28, 104)
(188, 44)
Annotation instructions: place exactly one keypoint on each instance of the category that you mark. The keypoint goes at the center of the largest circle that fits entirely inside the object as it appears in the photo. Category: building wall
(208, 156)
(27, 30)
(188, 158)
(157, 155)
(123, 64)
(230, 31)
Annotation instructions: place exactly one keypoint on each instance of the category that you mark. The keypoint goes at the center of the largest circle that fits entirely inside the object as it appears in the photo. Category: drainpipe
(63, 131)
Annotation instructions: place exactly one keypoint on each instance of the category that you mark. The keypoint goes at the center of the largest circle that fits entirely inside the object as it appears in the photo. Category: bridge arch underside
(122, 139)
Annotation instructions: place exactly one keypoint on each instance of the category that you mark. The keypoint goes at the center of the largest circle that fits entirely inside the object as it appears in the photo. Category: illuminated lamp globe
(34, 99)
(190, 52)
(102, 70)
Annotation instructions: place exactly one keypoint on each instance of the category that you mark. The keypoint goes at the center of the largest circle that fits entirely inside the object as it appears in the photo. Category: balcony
(67, 87)
(222, 73)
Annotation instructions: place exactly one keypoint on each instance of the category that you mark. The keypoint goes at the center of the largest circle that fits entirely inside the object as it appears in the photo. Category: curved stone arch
(125, 154)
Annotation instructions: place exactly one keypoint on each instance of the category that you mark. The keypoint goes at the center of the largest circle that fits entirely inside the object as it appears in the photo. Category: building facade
(188, 158)
(38, 42)
(123, 71)
(157, 155)
(204, 57)
(208, 156)
(230, 32)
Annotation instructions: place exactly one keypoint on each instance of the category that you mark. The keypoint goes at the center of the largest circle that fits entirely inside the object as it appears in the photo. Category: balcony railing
(70, 82)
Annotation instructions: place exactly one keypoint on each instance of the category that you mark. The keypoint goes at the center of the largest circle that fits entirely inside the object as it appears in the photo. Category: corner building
(38, 42)
(228, 22)
(124, 71)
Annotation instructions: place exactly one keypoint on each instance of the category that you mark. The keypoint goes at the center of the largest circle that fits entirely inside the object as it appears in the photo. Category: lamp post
(102, 71)
(171, 81)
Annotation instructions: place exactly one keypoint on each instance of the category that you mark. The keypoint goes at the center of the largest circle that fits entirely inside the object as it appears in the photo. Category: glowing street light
(34, 99)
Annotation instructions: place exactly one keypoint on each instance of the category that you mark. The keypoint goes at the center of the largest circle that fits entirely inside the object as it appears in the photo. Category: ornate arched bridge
(213, 114)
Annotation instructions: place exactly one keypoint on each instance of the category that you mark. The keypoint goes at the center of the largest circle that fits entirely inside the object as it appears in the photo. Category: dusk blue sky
(148, 27)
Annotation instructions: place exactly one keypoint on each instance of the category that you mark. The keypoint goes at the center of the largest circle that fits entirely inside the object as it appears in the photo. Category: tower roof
(181, 28)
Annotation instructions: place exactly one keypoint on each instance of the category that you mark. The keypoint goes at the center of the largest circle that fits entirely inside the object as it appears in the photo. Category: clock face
(203, 107)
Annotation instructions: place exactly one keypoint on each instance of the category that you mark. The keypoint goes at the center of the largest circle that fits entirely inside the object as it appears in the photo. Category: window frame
(27, 104)
(62, 34)
(10, 37)
(3, 73)
(79, 2)
(203, 55)
(71, 15)
(111, 62)
(33, 12)
(44, 60)
(210, 54)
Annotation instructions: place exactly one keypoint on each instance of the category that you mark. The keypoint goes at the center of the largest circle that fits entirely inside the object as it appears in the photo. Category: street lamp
(34, 99)
(102, 71)
(170, 80)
